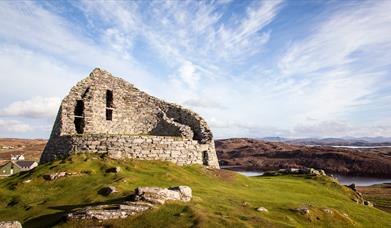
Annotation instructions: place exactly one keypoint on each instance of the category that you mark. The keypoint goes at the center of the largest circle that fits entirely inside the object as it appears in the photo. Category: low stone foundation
(182, 151)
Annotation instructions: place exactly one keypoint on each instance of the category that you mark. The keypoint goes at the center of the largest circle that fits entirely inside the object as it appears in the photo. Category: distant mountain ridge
(345, 141)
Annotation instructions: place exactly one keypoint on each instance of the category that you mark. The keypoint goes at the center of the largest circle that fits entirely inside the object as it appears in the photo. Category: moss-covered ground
(220, 198)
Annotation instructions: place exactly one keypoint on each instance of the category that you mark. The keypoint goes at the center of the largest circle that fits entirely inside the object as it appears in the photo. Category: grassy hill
(220, 197)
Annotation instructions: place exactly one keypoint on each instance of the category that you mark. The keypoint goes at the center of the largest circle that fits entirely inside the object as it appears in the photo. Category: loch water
(345, 180)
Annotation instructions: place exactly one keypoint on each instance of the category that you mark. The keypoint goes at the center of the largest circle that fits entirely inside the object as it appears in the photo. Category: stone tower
(106, 114)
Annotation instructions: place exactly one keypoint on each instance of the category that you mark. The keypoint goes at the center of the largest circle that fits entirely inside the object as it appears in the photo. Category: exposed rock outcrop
(158, 195)
(10, 224)
(144, 199)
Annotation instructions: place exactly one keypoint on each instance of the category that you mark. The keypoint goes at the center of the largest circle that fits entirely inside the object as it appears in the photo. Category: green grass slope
(220, 197)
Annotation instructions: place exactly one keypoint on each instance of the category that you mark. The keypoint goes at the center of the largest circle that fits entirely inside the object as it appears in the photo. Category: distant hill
(30, 148)
(348, 141)
(252, 154)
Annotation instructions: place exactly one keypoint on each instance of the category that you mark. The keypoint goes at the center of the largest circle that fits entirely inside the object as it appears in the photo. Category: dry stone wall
(106, 114)
(179, 150)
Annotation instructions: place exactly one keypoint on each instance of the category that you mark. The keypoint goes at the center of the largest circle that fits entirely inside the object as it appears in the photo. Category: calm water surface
(345, 180)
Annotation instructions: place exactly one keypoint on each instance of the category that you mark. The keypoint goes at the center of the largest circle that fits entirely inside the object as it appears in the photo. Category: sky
(250, 68)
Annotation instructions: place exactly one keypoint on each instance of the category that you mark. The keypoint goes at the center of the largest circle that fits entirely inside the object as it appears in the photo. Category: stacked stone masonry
(106, 114)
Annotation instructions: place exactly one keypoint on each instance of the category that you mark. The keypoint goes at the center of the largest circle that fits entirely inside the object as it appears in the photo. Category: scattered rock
(262, 209)
(113, 170)
(54, 176)
(158, 195)
(368, 203)
(107, 190)
(27, 181)
(322, 172)
(310, 171)
(184, 191)
(302, 210)
(144, 199)
(327, 210)
(352, 186)
(271, 173)
(10, 224)
(313, 171)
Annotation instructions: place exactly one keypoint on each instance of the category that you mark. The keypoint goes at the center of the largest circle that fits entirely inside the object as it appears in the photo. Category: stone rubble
(55, 176)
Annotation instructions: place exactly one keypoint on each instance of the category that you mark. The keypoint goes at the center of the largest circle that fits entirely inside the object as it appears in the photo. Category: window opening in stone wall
(109, 114)
(109, 99)
(109, 105)
(79, 108)
(79, 119)
(79, 125)
(205, 157)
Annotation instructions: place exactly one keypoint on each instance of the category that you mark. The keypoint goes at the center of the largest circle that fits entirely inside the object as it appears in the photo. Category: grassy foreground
(220, 197)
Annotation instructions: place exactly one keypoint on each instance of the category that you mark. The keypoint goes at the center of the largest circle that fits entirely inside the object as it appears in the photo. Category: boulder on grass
(262, 209)
(113, 170)
(158, 195)
(107, 190)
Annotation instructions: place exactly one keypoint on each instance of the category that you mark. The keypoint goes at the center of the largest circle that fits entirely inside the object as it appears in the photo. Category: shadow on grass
(50, 220)
(45, 220)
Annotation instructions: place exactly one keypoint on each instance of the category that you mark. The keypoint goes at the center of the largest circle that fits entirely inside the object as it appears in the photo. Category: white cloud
(203, 103)
(344, 62)
(36, 107)
(346, 37)
(340, 129)
(187, 74)
(14, 126)
(247, 38)
(55, 36)
(327, 77)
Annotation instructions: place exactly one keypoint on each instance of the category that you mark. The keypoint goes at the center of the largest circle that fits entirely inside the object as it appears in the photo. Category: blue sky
(251, 68)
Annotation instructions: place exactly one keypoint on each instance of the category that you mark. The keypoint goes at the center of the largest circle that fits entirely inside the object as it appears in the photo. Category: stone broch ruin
(106, 114)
